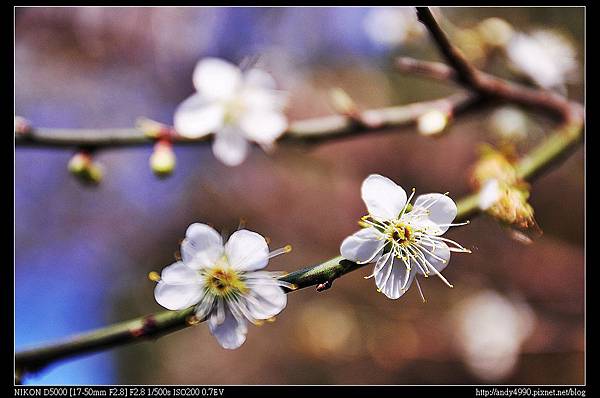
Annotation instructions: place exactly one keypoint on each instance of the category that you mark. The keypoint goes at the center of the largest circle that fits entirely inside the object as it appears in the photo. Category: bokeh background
(515, 315)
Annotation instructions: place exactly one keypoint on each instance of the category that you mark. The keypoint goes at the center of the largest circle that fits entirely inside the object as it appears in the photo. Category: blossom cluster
(226, 283)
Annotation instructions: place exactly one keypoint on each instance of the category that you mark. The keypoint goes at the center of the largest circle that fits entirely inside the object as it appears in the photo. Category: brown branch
(485, 84)
(563, 139)
(313, 130)
(466, 72)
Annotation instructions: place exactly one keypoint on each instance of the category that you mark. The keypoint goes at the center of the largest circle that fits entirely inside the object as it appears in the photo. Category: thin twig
(465, 71)
(493, 87)
(314, 130)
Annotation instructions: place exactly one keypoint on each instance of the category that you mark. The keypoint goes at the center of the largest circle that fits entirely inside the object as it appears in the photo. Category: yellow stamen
(223, 281)
(192, 320)
(154, 276)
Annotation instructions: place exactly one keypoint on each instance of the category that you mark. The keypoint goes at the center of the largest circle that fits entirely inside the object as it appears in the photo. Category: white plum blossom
(546, 57)
(224, 282)
(237, 106)
(392, 26)
(403, 240)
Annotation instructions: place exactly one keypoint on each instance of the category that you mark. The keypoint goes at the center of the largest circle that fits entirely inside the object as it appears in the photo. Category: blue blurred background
(83, 253)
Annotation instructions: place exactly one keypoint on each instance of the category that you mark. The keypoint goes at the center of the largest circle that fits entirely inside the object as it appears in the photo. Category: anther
(281, 250)
(154, 276)
(192, 320)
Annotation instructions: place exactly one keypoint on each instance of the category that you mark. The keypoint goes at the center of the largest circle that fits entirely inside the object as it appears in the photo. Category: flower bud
(509, 123)
(151, 128)
(432, 122)
(493, 164)
(22, 126)
(162, 160)
(85, 169)
(471, 44)
(495, 32)
(512, 207)
(342, 102)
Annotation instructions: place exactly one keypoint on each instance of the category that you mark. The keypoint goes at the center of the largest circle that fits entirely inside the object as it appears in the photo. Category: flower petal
(383, 197)
(439, 257)
(260, 100)
(266, 301)
(258, 78)
(230, 146)
(489, 194)
(363, 246)
(231, 333)
(396, 284)
(263, 127)
(179, 274)
(217, 79)
(440, 209)
(196, 117)
(178, 297)
(247, 251)
(202, 246)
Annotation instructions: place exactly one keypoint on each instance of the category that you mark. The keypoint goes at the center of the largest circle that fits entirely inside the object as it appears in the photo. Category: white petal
(263, 127)
(196, 117)
(247, 251)
(202, 246)
(258, 78)
(255, 100)
(392, 287)
(179, 273)
(441, 211)
(383, 268)
(438, 259)
(489, 194)
(231, 333)
(265, 301)
(384, 199)
(383, 259)
(178, 297)
(230, 146)
(205, 305)
(217, 79)
(363, 246)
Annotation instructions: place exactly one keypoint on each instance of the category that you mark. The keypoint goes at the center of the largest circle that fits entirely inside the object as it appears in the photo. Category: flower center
(222, 281)
(234, 108)
(401, 233)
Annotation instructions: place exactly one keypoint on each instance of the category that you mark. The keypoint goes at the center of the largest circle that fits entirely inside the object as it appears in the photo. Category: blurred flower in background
(392, 26)
(545, 56)
(237, 106)
(491, 329)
